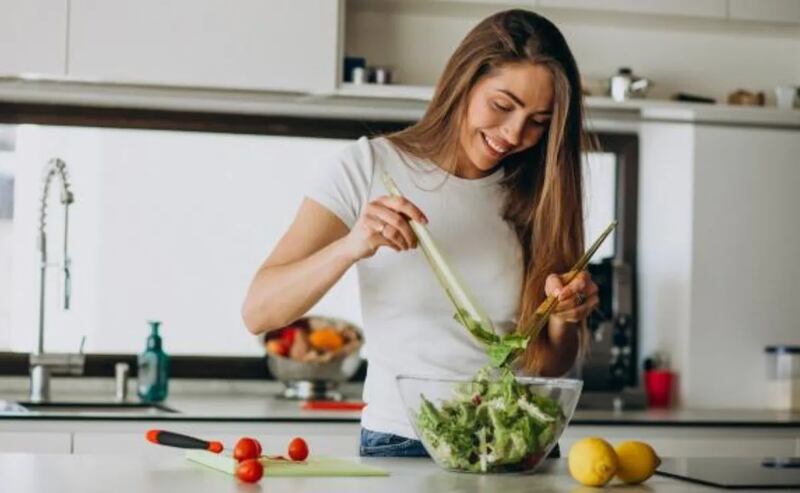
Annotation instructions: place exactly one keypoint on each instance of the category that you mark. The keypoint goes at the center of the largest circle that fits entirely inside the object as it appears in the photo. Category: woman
(493, 168)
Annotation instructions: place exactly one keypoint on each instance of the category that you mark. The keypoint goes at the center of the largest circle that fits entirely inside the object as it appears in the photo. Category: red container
(658, 385)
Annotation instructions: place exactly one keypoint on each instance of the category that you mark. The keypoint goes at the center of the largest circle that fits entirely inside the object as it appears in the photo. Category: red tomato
(249, 470)
(288, 334)
(298, 449)
(277, 346)
(247, 448)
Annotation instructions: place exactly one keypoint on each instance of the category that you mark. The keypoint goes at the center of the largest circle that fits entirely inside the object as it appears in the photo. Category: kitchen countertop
(28, 473)
(258, 402)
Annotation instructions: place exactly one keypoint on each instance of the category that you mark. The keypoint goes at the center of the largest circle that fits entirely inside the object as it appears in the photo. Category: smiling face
(508, 111)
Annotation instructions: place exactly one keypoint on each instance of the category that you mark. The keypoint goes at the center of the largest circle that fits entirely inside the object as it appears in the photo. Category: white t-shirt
(408, 320)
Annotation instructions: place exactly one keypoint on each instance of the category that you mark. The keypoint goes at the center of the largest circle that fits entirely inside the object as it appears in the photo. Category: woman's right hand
(384, 222)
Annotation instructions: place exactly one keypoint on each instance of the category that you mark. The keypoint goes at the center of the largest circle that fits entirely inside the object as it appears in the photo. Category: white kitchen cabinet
(715, 9)
(33, 36)
(765, 10)
(290, 45)
(36, 442)
(342, 438)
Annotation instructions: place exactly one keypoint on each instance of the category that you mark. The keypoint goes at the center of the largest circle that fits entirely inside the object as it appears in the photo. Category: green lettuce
(492, 422)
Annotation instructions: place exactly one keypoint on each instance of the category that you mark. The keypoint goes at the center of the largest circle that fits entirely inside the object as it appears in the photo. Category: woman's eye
(501, 107)
(539, 123)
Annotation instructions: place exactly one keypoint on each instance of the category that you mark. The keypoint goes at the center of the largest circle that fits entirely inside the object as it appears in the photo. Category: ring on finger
(580, 298)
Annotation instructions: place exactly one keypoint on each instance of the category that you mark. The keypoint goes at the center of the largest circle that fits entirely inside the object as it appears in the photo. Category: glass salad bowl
(492, 423)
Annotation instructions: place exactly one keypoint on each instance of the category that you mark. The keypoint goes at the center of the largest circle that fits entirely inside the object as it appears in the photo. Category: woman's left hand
(576, 300)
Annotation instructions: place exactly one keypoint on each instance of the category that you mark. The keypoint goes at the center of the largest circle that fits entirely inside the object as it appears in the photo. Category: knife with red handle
(172, 439)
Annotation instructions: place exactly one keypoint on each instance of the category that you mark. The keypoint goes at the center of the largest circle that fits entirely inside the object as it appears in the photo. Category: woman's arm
(307, 261)
(315, 252)
(558, 346)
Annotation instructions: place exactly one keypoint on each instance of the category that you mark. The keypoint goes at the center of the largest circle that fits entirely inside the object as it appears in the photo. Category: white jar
(783, 377)
(786, 97)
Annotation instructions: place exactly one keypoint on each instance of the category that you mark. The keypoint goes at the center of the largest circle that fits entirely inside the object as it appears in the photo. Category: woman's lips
(493, 148)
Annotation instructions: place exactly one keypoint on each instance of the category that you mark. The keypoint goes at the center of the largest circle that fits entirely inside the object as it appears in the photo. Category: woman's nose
(511, 132)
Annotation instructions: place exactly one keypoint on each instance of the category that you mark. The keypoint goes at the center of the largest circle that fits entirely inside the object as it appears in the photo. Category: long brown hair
(544, 191)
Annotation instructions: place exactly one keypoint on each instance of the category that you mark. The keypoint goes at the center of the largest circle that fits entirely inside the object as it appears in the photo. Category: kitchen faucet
(42, 364)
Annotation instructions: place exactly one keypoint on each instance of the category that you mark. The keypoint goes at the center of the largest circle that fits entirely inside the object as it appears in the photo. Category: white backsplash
(166, 225)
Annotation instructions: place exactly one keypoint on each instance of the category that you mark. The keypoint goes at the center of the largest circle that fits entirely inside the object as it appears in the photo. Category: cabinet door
(253, 44)
(33, 36)
(35, 442)
(765, 10)
(690, 8)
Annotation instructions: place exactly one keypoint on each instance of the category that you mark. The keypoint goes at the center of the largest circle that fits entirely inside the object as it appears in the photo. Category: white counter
(39, 473)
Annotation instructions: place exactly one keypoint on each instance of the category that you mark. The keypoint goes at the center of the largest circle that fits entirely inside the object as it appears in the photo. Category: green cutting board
(314, 466)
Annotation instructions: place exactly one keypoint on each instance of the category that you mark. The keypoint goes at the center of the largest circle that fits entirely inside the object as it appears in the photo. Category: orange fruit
(326, 339)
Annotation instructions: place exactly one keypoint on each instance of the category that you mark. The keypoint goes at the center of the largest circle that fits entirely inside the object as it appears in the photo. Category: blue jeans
(378, 444)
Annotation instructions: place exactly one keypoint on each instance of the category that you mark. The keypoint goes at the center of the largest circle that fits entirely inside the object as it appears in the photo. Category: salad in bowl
(494, 422)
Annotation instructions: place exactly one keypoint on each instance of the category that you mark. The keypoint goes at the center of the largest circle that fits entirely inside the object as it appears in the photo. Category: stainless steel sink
(97, 408)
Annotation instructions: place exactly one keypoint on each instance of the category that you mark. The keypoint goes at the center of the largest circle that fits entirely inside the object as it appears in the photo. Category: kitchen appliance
(610, 370)
(735, 473)
(624, 85)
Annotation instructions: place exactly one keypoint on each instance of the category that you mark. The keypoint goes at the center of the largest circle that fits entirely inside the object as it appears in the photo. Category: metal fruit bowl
(317, 379)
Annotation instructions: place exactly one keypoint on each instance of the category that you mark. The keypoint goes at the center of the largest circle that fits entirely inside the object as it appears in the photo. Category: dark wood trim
(192, 367)
(290, 126)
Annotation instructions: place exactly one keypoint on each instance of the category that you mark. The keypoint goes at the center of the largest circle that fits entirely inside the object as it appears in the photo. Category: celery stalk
(468, 312)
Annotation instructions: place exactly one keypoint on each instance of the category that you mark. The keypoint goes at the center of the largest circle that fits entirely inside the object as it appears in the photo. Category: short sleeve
(343, 182)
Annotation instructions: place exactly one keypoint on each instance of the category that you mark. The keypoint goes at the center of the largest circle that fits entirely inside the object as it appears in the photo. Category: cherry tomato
(247, 448)
(249, 470)
(298, 449)
(278, 346)
(288, 334)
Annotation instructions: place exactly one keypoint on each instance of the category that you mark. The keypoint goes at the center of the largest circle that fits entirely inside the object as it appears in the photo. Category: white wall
(679, 54)
(718, 246)
(745, 266)
(166, 225)
(666, 195)
(6, 235)
(6, 281)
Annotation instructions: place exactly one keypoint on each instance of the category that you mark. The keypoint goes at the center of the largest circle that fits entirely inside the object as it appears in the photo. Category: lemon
(637, 461)
(592, 461)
